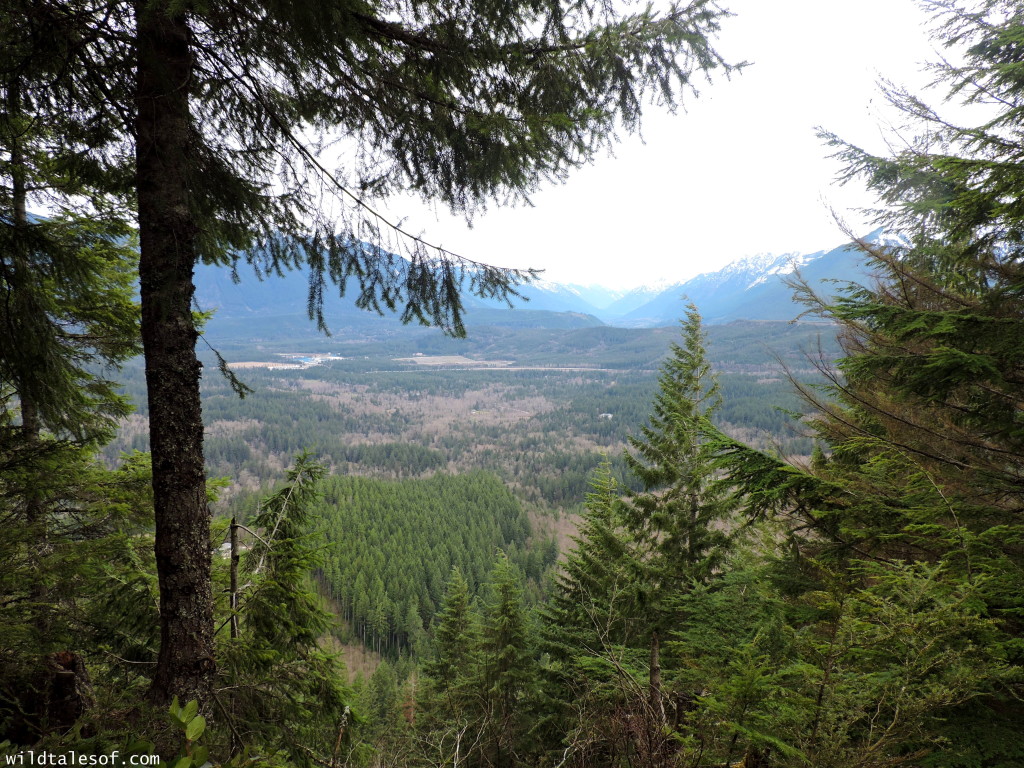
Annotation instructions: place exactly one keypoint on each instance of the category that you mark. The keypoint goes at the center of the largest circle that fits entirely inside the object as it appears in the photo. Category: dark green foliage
(75, 664)
(78, 619)
(591, 630)
(281, 688)
(384, 735)
(907, 589)
(67, 311)
(390, 546)
(623, 594)
(68, 318)
(448, 713)
(454, 637)
(479, 693)
(597, 580)
(679, 512)
(679, 516)
(732, 663)
(506, 671)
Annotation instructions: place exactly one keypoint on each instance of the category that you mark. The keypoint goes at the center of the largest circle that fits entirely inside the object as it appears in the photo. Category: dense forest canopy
(714, 602)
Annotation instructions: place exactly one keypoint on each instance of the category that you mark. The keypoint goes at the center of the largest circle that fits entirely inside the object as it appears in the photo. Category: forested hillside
(390, 547)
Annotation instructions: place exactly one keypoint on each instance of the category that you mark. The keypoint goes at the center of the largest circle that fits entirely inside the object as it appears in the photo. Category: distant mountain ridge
(752, 288)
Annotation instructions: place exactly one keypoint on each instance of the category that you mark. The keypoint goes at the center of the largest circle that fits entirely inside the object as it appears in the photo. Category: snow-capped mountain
(598, 296)
(752, 288)
(634, 299)
(756, 287)
(766, 265)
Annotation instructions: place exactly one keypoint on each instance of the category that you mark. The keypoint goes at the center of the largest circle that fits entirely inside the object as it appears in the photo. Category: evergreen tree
(68, 317)
(67, 320)
(591, 630)
(384, 726)
(282, 690)
(68, 312)
(935, 353)
(593, 593)
(461, 103)
(454, 636)
(679, 516)
(78, 604)
(733, 668)
(382, 695)
(623, 592)
(506, 671)
(915, 509)
(448, 721)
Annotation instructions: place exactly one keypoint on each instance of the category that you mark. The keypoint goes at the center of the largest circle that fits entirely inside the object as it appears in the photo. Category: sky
(738, 171)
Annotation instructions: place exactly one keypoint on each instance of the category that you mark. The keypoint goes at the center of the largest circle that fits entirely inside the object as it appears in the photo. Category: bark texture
(657, 705)
(167, 234)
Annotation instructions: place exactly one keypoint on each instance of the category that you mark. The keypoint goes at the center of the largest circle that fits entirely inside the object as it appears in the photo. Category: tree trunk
(19, 267)
(22, 314)
(167, 238)
(657, 705)
(235, 558)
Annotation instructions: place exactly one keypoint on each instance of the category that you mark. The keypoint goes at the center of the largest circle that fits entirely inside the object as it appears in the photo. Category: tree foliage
(913, 512)
(622, 595)
(679, 513)
(202, 113)
(391, 545)
(279, 687)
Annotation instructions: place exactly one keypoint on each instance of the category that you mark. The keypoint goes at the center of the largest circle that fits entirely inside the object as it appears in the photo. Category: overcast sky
(739, 172)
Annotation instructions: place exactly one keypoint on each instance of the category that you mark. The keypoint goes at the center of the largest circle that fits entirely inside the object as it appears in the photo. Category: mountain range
(754, 288)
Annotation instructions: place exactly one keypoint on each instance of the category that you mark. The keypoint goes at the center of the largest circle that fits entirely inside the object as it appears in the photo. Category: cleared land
(435, 360)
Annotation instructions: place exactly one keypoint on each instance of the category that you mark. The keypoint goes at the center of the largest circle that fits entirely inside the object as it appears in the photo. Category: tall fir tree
(622, 595)
(481, 682)
(455, 637)
(461, 103)
(506, 671)
(68, 312)
(680, 516)
(77, 592)
(593, 595)
(448, 720)
(591, 630)
(281, 690)
(68, 319)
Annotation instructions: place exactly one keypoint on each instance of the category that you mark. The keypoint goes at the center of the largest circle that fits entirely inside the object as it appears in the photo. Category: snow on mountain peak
(782, 265)
(548, 285)
(658, 286)
(892, 239)
(757, 268)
